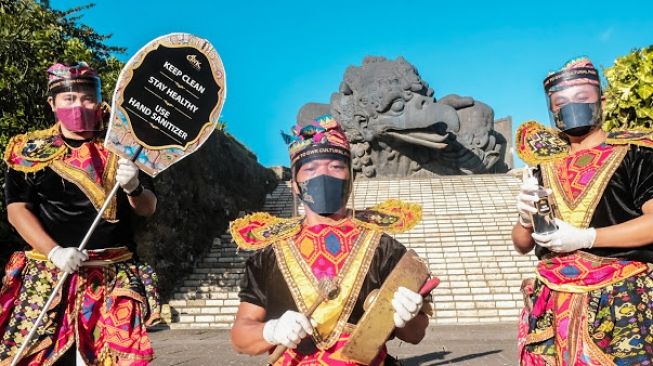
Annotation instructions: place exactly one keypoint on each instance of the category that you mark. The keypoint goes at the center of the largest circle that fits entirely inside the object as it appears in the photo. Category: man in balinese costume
(330, 241)
(56, 181)
(592, 300)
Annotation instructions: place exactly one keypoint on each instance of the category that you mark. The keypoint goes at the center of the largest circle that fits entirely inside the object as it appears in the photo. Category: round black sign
(170, 96)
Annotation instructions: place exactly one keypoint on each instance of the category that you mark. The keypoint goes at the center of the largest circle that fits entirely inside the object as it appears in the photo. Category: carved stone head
(397, 128)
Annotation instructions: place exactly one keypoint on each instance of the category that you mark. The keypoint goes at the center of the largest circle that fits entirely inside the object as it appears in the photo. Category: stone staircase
(209, 296)
(464, 235)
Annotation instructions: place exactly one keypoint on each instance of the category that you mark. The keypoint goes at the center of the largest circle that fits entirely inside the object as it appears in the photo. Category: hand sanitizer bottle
(543, 220)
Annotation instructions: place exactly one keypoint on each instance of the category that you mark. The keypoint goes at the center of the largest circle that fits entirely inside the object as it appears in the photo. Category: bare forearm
(247, 337)
(29, 227)
(414, 330)
(522, 239)
(630, 234)
(144, 204)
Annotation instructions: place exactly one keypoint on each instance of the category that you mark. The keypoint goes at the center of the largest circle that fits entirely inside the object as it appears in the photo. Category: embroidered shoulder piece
(631, 137)
(33, 151)
(391, 216)
(536, 144)
(260, 229)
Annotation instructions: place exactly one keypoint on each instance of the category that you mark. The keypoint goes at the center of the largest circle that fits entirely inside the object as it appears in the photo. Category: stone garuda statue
(397, 128)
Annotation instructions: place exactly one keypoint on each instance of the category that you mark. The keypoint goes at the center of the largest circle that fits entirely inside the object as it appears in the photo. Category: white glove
(567, 238)
(127, 175)
(526, 201)
(407, 305)
(67, 259)
(288, 330)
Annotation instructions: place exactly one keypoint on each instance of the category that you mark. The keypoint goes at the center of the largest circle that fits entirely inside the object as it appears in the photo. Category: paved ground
(487, 345)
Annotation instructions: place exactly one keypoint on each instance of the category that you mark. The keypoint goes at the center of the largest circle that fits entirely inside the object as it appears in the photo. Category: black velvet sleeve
(146, 181)
(641, 174)
(20, 187)
(253, 283)
(389, 253)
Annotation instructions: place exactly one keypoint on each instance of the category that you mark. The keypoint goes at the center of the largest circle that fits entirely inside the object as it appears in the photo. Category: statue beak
(420, 137)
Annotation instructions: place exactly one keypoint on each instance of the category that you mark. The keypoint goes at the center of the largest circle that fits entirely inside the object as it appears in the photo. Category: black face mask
(577, 119)
(324, 194)
(579, 131)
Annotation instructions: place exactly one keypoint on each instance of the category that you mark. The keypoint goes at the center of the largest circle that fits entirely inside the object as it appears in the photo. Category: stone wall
(197, 198)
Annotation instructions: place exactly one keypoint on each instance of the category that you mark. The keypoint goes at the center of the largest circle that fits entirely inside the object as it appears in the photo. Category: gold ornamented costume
(291, 258)
(595, 306)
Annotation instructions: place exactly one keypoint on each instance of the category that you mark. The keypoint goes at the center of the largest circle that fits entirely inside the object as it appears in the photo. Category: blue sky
(279, 55)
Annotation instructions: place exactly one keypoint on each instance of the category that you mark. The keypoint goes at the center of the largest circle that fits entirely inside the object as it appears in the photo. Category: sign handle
(63, 278)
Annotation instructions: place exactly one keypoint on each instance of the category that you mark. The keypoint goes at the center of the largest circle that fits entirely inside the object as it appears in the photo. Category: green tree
(32, 37)
(629, 94)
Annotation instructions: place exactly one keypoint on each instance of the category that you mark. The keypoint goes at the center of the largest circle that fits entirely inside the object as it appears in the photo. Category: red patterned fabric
(331, 356)
(576, 171)
(58, 71)
(553, 329)
(91, 158)
(325, 247)
(581, 272)
(104, 310)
